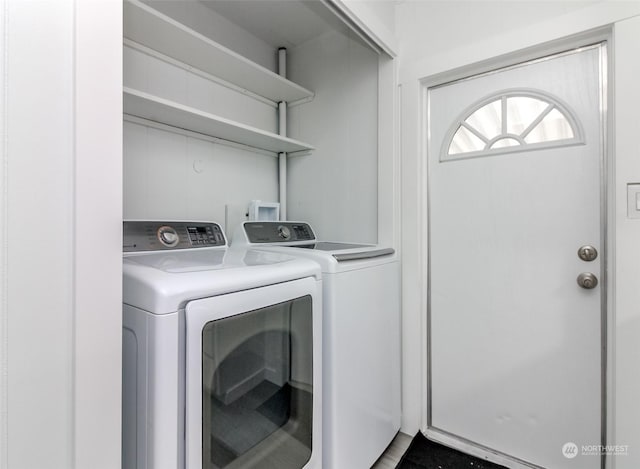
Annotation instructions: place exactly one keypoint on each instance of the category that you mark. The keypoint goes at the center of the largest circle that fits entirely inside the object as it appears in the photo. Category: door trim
(601, 38)
(4, 239)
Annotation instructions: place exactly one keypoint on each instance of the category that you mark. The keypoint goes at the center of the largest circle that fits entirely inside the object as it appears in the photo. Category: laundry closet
(201, 143)
(228, 105)
(209, 125)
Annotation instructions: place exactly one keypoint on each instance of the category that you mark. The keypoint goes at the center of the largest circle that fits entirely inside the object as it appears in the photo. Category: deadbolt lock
(587, 280)
(587, 253)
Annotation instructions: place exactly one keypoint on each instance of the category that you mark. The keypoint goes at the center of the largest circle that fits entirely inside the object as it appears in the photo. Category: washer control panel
(162, 236)
(278, 232)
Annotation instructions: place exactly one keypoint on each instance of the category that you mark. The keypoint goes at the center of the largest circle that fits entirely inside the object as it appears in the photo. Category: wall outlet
(633, 200)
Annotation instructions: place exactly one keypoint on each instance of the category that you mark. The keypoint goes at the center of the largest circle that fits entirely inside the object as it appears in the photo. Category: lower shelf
(153, 108)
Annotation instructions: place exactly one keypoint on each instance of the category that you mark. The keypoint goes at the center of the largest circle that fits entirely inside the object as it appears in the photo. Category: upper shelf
(156, 109)
(146, 26)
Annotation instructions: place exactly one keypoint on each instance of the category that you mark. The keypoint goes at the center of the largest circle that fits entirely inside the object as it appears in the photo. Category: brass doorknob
(587, 280)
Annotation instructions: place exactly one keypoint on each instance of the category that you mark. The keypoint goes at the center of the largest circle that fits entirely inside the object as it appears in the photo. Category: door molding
(4, 247)
(602, 38)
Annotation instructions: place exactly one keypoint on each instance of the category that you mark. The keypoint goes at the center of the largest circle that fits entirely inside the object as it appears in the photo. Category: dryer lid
(162, 282)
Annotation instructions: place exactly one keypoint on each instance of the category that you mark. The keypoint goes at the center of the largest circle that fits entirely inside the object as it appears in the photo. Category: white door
(515, 181)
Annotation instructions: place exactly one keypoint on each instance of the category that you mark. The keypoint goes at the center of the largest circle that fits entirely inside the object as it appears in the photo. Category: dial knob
(284, 232)
(168, 236)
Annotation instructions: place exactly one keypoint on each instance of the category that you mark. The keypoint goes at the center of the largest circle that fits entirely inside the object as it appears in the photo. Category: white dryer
(221, 352)
(361, 338)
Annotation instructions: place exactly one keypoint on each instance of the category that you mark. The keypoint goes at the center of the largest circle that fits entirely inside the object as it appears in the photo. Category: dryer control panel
(278, 232)
(162, 236)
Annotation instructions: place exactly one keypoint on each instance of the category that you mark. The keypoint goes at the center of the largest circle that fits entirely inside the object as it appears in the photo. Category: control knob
(284, 232)
(168, 236)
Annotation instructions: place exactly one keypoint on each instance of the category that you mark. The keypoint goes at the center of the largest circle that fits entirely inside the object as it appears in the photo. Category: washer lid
(348, 252)
(298, 239)
(331, 246)
(162, 282)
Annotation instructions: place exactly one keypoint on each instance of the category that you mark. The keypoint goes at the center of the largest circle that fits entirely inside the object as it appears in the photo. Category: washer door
(252, 378)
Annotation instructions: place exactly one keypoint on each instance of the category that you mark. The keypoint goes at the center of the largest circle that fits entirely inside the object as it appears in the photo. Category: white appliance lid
(298, 239)
(331, 246)
(162, 282)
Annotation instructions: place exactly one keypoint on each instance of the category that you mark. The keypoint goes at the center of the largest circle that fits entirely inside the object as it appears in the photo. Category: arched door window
(511, 121)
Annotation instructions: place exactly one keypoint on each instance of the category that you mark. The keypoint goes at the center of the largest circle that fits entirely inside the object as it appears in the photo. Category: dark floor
(426, 454)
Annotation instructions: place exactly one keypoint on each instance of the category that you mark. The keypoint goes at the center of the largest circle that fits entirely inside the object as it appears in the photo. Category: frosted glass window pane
(465, 141)
(554, 126)
(512, 120)
(487, 120)
(505, 142)
(521, 112)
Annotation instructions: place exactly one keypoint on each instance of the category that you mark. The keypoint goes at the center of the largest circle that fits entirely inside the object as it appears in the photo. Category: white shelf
(156, 109)
(146, 26)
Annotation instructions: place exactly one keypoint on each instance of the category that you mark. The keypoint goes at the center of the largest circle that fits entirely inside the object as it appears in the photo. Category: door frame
(602, 36)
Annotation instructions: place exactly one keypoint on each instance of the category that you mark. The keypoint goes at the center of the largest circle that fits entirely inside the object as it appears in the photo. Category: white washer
(221, 352)
(361, 338)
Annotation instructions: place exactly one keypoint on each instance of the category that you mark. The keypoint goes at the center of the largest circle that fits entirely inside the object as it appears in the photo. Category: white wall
(97, 239)
(335, 187)
(438, 37)
(445, 25)
(39, 165)
(60, 296)
(626, 329)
